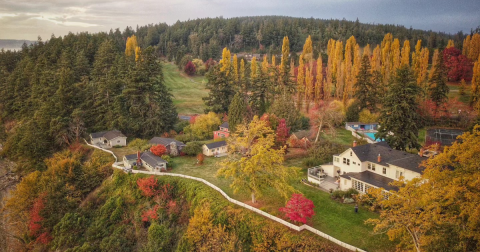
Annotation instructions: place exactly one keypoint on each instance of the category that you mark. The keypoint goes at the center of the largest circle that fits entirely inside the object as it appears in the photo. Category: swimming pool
(371, 135)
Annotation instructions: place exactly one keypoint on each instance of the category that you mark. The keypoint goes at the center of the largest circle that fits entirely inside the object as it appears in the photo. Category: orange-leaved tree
(148, 186)
(158, 150)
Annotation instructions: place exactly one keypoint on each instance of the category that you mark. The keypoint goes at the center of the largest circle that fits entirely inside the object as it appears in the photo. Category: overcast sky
(27, 19)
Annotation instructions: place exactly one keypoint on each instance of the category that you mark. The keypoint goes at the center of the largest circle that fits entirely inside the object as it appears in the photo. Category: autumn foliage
(200, 158)
(190, 68)
(150, 214)
(458, 65)
(298, 208)
(148, 186)
(35, 226)
(158, 150)
(282, 132)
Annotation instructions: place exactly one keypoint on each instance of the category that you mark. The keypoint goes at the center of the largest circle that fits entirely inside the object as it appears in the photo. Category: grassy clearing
(342, 136)
(187, 91)
(455, 92)
(332, 217)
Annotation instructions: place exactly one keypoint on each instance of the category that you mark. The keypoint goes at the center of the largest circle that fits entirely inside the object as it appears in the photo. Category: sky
(28, 19)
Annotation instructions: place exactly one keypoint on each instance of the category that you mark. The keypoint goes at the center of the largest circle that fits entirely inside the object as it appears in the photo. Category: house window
(373, 167)
(350, 153)
(354, 162)
(344, 160)
(369, 166)
(384, 170)
(348, 161)
(357, 185)
(344, 181)
(398, 174)
(358, 164)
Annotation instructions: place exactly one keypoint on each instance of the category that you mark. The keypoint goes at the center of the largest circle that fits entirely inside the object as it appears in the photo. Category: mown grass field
(187, 91)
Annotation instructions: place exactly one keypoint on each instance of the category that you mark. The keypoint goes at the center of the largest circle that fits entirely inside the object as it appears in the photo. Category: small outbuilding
(215, 149)
(108, 139)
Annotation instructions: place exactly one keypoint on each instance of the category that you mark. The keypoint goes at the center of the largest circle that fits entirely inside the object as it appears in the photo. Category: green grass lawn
(334, 218)
(342, 136)
(187, 91)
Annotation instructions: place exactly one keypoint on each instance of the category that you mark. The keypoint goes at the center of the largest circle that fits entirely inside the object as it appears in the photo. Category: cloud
(26, 19)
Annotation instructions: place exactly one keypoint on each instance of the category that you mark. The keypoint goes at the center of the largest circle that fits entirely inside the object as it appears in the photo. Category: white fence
(100, 148)
(274, 218)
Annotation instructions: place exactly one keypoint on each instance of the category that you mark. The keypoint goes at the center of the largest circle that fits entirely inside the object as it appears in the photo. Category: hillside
(13, 44)
(187, 91)
(191, 216)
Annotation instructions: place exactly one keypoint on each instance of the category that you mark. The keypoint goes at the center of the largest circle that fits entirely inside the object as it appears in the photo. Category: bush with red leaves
(158, 150)
(190, 68)
(148, 186)
(150, 214)
(282, 132)
(298, 208)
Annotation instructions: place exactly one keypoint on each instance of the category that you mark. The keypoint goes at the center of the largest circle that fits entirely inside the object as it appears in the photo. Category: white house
(215, 149)
(371, 165)
(148, 160)
(108, 139)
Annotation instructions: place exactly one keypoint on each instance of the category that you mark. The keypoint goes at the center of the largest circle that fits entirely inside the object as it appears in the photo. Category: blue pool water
(372, 136)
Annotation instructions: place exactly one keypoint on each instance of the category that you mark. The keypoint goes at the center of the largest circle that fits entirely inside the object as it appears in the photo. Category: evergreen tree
(366, 92)
(221, 90)
(237, 111)
(399, 118)
(145, 103)
(438, 89)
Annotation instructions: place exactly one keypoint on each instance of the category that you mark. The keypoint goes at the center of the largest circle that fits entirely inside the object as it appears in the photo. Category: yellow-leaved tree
(131, 45)
(308, 50)
(225, 62)
(253, 69)
(253, 164)
(235, 67)
(439, 211)
(450, 43)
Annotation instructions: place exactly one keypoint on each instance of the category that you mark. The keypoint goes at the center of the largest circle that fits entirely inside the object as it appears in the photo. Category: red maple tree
(190, 68)
(282, 132)
(158, 150)
(150, 214)
(298, 208)
(148, 186)
(458, 65)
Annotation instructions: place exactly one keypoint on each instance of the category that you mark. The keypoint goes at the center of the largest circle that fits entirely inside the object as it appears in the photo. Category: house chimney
(139, 161)
(379, 158)
(354, 143)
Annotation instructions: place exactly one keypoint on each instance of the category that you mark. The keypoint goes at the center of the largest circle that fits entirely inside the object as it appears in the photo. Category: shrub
(158, 150)
(337, 194)
(348, 200)
(180, 125)
(192, 148)
(311, 161)
(200, 158)
(184, 138)
(148, 186)
(323, 151)
(190, 68)
(168, 159)
(350, 192)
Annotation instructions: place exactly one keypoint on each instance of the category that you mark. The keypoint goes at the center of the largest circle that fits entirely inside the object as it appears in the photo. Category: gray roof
(131, 157)
(165, 141)
(109, 135)
(389, 156)
(151, 159)
(372, 179)
(302, 134)
(216, 144)
(224, 125)
(362, 123)
(186, 118)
